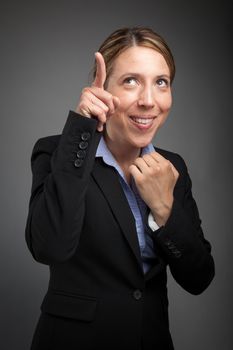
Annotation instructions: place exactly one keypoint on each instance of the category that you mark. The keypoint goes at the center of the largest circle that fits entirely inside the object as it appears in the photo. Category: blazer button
(85, 136)
(78, 163)
(83, 145)
(137, 294)
(168, 243)
(81, 154)
(177, 253)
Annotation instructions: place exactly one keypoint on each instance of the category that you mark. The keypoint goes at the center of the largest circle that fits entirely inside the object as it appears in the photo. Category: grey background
(47, 51)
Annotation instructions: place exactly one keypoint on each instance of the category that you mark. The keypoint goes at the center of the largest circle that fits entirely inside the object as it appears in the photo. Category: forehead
(142, 60)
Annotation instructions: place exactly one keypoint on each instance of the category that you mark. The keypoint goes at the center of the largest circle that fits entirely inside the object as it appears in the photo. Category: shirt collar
(104, 152)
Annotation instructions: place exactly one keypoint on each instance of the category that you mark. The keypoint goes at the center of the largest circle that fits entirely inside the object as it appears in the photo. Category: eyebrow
(164, 76)
(139, 75)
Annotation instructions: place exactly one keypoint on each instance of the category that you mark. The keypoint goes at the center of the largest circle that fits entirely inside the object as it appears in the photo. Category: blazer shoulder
(46, 144)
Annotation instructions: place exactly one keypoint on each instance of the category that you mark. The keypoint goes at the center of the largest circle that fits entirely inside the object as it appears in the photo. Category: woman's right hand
(95, 102)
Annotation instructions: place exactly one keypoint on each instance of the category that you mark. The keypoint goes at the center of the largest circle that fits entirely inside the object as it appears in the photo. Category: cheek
(166, 103)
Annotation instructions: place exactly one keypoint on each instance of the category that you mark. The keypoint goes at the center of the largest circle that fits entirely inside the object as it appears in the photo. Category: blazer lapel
(107, 179)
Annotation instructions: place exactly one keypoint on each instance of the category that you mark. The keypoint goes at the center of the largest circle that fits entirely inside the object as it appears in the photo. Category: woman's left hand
(155, 178)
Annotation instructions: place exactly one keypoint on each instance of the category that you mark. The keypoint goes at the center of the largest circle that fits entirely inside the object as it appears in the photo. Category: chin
(142, 143)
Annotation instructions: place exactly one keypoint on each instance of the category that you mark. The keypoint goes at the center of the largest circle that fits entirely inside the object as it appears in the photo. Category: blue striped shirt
(137, 205)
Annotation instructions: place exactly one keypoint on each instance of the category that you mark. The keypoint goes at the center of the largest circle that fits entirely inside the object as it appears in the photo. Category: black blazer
(81, 225)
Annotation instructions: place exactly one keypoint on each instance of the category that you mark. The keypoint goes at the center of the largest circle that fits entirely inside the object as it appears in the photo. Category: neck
(124, 154)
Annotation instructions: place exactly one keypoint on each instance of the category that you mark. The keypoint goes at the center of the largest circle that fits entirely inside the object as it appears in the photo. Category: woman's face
(141, 80)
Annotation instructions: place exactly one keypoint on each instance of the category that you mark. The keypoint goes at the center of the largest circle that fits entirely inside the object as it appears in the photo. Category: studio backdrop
(47, 52)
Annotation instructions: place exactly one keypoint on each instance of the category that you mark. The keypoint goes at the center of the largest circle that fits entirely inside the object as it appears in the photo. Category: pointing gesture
(100, 71)
(95, 102)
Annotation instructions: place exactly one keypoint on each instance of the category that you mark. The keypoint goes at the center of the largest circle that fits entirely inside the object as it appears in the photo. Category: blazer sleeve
(61, 170)
(181, 241)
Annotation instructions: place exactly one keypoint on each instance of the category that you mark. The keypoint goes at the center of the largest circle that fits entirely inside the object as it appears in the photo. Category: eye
(162, 82)
(130, 81)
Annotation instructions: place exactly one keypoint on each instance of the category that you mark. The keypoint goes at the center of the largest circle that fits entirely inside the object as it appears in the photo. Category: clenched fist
(95, 101)
(155, 178)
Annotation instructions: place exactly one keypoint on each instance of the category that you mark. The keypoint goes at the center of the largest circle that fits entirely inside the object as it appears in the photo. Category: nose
(146, 98)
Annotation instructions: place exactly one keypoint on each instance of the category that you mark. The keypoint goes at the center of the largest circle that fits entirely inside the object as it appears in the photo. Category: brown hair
(124, 38)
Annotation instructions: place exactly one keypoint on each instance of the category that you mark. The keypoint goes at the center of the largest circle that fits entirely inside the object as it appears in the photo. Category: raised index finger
(100, 76)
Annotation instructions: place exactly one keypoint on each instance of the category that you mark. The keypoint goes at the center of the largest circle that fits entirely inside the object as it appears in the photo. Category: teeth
(143, 121)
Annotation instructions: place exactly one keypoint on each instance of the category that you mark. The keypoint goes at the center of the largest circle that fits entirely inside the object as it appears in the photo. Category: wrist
(162, 212)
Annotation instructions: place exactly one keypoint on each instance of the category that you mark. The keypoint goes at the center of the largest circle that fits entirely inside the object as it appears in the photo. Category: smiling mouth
(142, 120)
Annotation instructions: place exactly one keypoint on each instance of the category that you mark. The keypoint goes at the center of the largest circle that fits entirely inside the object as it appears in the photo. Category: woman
(108, 211)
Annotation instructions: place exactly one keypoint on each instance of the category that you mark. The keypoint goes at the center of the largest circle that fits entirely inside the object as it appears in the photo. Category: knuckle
(167, 165)
(82, 105)
(140, 181)
(109, 97)
(153, 154)
(131, 168)
(151, 171)
(145, 157)
(85, 90)
(138, 162)
(103, 116)
(105, 108)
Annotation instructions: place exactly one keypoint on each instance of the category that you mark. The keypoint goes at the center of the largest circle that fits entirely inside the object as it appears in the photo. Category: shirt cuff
(151, 223)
